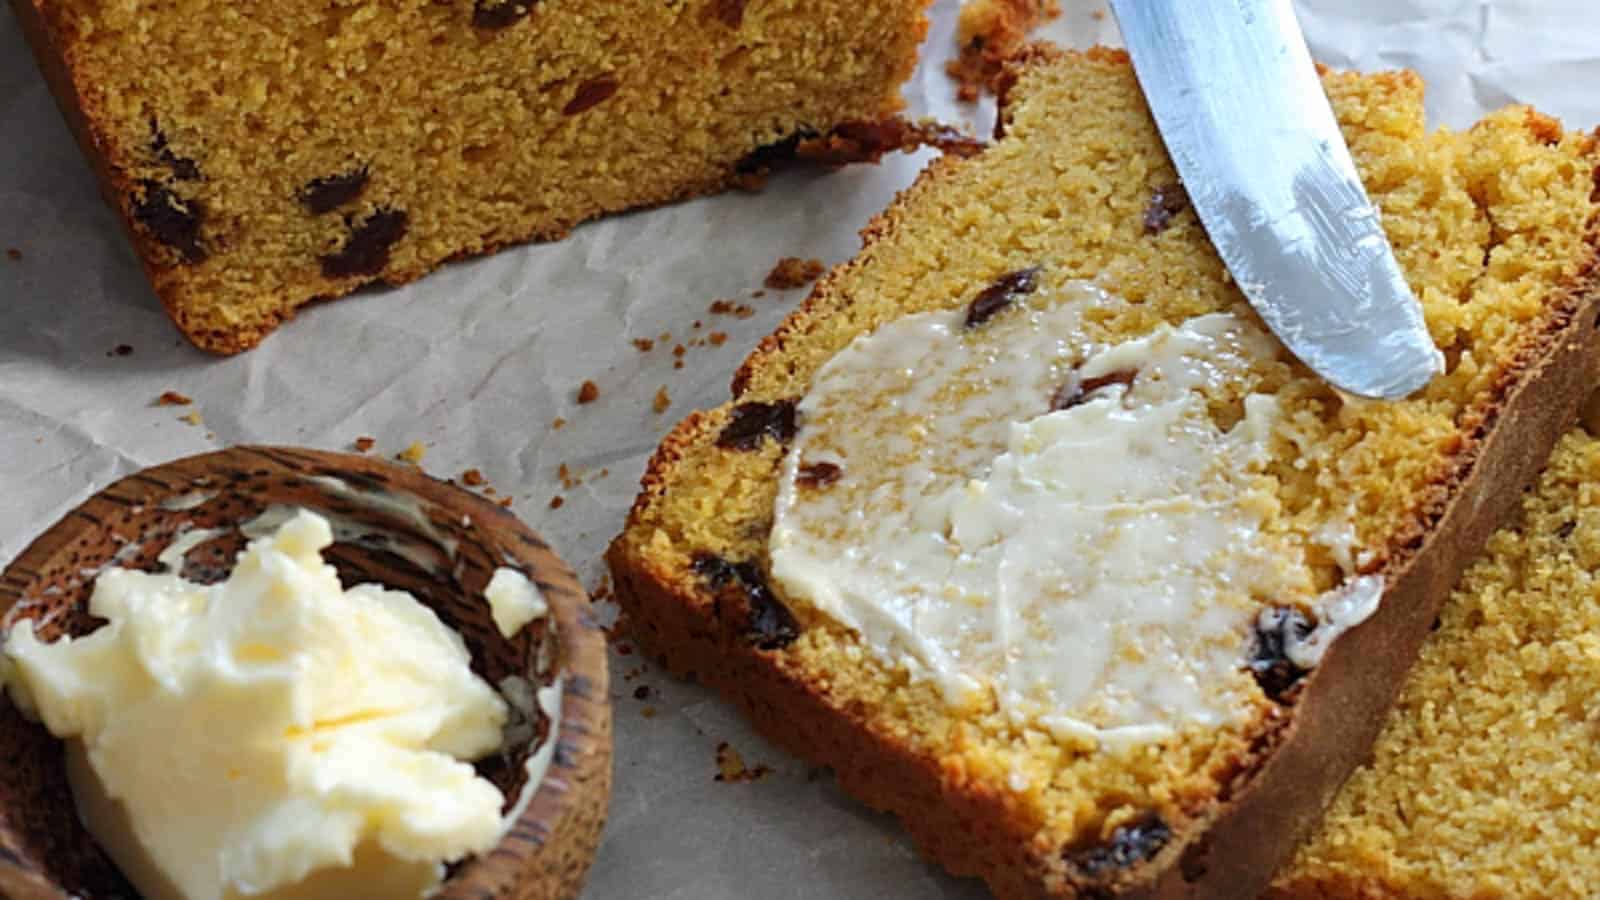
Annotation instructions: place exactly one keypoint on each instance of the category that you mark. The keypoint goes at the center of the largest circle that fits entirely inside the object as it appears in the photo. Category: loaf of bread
(266, 155)
(1026, 528)
(1486, 779)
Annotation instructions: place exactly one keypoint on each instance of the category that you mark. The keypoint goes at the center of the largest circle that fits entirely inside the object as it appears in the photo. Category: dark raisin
(182, 167)
(328, 193)
(590, 94)
(1269, 661)
(818, 475)
(1129, 846)
(713, 568)
(366, 251)
(770, 156)
(1001, 294)
(767, 623)
(729, 12)
(1076, 391)
(1165, 203)
(751, 422)
(1566, 529)
(171, 220)
(493, 15)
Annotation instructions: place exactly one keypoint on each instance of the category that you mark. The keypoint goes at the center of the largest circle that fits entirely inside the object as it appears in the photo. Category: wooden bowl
(393, 525)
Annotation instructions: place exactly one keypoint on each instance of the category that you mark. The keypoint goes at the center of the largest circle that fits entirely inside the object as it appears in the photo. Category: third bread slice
(1025, 527)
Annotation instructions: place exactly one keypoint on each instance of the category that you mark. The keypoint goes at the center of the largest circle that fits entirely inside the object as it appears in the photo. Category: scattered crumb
(121, 350)
(557, 423)
(679, 350)
(664, 337)
(14, 254)
(505, 502)
(364, 443)
(731, 768)
(730, 308)
(990, 31)
(412, 454)
(649, 712)
(757, 295)
(663, 400)
(172, 398)
(1098, 15)
(624, 649)
(718, 338)
(792, 272)
(677, 364)
(472, 478)
(489, 491)
(603, 473)
(644, 345)
(568, 480)
(642, 692)
(193, 418)
(557, 502)
(588, 392)
(698, 323)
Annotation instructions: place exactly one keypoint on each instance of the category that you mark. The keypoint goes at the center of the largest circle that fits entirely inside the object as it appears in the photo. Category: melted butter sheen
(1096, 569)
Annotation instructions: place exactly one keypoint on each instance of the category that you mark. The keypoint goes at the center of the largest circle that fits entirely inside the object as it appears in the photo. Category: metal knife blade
(1239, 104)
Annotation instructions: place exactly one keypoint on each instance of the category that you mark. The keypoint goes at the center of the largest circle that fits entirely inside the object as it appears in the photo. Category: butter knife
(1242, 111)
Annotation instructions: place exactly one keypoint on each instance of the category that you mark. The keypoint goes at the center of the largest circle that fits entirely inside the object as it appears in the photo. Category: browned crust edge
(547, 852)
(1282, 793)
(55, 63)
(50, 53)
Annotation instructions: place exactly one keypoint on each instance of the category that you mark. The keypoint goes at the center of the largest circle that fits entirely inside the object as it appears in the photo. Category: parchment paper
(479, 359)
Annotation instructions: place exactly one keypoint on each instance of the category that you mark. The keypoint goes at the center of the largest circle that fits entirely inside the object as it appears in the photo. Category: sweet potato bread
(1486, 779)
(265, 155)
(1496, 230)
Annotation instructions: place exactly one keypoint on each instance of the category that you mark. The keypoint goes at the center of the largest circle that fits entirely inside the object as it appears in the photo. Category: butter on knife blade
(1239, 105)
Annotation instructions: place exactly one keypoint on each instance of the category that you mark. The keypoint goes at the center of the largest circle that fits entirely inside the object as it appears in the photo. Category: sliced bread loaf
(1025, 526)
(265, 155)
(1486, 779)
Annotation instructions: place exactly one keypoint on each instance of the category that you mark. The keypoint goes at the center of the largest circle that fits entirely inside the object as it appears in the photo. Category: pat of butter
(272, 736)
(514, 601)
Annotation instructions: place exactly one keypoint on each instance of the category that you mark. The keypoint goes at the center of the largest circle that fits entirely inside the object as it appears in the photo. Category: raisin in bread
(265, 155)
(1486, 779)
(1025, 527)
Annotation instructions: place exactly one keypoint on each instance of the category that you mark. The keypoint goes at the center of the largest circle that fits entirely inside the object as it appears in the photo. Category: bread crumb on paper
(792, 272)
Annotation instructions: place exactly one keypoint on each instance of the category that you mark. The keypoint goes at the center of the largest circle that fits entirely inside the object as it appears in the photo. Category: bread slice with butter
(1026, 528)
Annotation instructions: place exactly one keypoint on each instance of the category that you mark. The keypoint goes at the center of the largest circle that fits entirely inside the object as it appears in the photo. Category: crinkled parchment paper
(478, 360)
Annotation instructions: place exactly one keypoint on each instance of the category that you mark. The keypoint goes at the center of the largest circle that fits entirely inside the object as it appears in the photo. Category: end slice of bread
(1496, 231)
(1486, 779)
(265, 156)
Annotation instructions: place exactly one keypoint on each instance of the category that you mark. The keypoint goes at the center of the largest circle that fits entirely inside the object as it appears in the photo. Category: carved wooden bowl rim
(174, 496)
